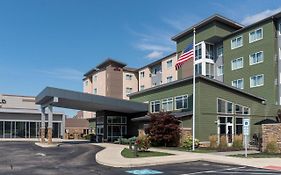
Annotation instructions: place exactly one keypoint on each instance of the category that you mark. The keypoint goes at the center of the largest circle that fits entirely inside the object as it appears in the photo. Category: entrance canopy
(87, 102)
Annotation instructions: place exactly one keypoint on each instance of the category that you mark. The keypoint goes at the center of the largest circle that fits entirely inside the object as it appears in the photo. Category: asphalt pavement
(25, 158)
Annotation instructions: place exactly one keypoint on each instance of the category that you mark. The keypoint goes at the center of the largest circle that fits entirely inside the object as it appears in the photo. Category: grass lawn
(259, 155)
(130, 154)
(197, 150)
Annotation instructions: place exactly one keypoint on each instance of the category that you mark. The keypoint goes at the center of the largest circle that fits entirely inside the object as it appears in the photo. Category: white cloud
(259, 16)
(153, 47)
(63, 73)
(155, 55)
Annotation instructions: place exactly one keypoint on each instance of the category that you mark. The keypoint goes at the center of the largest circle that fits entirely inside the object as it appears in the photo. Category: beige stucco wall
(166, 72)
(129, 83)
(146, 80)
(87, 88)
(20, 102)
(100, 84)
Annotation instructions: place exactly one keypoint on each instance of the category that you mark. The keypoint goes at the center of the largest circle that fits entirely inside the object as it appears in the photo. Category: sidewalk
(111, 156)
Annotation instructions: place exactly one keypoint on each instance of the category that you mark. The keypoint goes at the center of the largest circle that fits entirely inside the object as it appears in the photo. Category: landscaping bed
(259, 155)
(127, 153)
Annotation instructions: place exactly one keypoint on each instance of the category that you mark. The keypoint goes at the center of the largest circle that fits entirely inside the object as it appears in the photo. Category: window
(209, 51)
(256, 58)
(237, 63)
(239, 109)
(220, 70)
(156, 70)
(155, 106)
(237, 42)
(86, 83)
(224, 106)
(210, 70)
(95, 78)
(238, 83)
(220, 51)
(198, 69)
(142, 87)
(169, 64)
(167, 104)
(142, 74)
(256, 80)
(198, 52)
(95, 91)
(99, 129)
(169, 79)
(129, 90)
(238, 125)
(255, 35)
(116, 120)
(129, 76)
(181, 102)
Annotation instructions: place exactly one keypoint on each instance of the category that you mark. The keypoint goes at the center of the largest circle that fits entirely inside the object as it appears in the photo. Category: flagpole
(194, 102)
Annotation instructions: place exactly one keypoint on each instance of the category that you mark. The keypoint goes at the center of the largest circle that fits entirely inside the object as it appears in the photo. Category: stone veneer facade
(269, 131)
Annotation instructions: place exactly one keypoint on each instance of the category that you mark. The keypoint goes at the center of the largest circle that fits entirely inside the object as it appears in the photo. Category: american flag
(186, 55)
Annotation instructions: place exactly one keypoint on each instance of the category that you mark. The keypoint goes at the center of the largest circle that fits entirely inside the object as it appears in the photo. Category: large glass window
(198, 52)
(20, 128)
(237, 63)
(181, 102)
(167, 104)
(209, 51)
(224, 106)
(239, 125)
(238, 83)
(210, 70)
(116, 120)
(1, 129)
(257, 80)
(220, 70)
(155, 106)
(256, 58)
(8, 128)
(255, 35)
(220, 51)
(237, 42)
(198, 69)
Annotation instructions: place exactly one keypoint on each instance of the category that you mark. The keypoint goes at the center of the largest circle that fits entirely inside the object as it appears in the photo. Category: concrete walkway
(111, 156)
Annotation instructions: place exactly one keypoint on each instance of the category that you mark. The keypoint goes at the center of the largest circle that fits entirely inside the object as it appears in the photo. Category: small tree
(164, 129)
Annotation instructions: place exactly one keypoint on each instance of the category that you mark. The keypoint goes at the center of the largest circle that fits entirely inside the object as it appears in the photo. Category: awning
(176, 114)
(87, 102)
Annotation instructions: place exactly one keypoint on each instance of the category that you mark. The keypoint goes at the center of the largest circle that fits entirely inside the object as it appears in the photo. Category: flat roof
(215, 17)
(87, 102)
(198, 77)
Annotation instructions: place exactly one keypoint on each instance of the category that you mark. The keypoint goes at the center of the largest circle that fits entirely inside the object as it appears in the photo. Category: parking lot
(22, 158)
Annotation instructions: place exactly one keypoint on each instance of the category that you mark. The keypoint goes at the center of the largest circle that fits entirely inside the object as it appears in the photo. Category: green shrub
(223, 144)
(88, 136)
(187, 143)
(238, 142)
(271, 146)
(143, 142)
(213, 141)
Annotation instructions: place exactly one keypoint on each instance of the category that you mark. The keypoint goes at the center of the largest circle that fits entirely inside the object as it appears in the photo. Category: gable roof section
(199, 77)
(215, 17)
(110, 61)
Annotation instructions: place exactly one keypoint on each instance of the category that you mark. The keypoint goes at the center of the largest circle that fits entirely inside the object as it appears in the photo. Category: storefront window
(1, 129)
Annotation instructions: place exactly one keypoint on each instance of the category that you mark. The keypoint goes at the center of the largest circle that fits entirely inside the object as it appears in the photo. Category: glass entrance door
(226, 128)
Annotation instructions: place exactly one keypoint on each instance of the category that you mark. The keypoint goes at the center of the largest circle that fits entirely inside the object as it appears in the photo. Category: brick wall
(271, 132)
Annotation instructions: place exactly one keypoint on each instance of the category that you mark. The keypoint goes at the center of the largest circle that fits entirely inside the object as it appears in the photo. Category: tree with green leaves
(164, 129)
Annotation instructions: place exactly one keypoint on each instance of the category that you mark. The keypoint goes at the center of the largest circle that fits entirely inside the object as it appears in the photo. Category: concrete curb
(45, 145)
(111, 156)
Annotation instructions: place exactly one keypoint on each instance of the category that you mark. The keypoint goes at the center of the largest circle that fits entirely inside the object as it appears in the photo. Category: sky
(54, 42)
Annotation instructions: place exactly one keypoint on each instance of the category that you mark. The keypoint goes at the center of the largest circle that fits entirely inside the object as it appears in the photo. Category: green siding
(208, 32)
(206, 104)
(268, 67)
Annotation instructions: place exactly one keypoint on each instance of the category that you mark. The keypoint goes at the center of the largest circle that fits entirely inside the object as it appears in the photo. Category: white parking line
(240, 170)
(214, 171)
